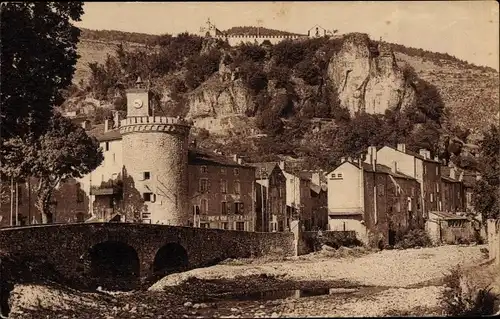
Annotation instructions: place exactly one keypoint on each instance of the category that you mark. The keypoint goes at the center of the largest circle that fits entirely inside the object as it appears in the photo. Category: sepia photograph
(267, 159)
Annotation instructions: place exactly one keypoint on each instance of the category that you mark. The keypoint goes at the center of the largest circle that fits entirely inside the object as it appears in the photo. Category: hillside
(242, 91)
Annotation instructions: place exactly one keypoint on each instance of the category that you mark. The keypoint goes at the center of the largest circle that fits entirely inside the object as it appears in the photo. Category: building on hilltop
(374, 200)
(255, 36)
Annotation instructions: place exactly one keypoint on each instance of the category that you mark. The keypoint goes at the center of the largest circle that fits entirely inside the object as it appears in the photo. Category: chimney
(106, 125)
(342, 160)
(240, 160)
(394, 168)
(349, 159)
(116, 120)
(235, 158)
(436, 158)
(372, 153)
(401, 147)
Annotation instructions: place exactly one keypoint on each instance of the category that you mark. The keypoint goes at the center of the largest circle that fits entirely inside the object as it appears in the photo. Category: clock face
(138, 103)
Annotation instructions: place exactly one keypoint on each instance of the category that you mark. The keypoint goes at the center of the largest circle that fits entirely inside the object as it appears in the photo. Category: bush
(414, 238)
(308, 71)
(463, 298)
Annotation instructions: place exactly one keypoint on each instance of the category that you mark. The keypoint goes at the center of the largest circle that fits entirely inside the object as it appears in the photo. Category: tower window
(147, 175)
(148, 197)
(106, 146)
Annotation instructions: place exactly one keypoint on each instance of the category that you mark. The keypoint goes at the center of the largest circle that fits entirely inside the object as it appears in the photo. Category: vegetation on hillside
(248, 30)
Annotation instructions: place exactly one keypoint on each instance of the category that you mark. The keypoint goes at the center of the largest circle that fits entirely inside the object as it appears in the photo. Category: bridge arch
(114, 265)
(170, 258)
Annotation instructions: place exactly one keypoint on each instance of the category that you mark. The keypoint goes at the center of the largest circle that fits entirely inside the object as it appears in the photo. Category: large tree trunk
(43, 202)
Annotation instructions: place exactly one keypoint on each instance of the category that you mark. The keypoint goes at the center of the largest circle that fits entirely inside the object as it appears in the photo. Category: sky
(468, 30)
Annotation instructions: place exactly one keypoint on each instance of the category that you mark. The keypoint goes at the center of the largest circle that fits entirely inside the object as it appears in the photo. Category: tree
(64, 151)
(38, 56)
(486, 196)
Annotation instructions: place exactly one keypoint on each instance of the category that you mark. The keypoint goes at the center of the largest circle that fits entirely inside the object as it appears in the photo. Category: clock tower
(138, 100)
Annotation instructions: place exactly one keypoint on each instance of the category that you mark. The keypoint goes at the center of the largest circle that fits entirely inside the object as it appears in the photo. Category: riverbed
(390, 282)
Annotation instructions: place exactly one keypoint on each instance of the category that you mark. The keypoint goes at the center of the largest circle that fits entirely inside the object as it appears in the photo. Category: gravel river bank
(390, 282)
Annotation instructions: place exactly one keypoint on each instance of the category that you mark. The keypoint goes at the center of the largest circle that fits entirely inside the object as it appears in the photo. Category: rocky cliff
(367, 77)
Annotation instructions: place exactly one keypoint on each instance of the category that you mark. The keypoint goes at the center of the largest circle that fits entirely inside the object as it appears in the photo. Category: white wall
(344, 194)
(350, 225)
(406, 163)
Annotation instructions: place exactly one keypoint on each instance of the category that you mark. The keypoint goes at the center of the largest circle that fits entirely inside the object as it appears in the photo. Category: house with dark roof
(453, 193)
(450, 228)
(374, 200)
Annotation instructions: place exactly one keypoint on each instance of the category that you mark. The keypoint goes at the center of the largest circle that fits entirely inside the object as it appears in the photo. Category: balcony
(113, 187)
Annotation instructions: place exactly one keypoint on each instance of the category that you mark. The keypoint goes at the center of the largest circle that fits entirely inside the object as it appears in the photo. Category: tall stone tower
(155, 155)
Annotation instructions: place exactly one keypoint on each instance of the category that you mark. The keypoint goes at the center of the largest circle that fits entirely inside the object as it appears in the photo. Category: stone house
(374, 200)
(453, 196)
(221, 191)
(426, 170)
(270, 199)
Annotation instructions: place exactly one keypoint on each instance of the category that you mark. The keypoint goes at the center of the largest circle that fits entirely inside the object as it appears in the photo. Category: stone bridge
(106, 253)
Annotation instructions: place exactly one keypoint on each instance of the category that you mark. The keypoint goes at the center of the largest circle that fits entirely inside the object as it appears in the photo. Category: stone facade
(270, 199)
(221, 192)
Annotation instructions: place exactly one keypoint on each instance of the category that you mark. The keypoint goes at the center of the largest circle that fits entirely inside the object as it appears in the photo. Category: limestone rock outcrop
(368, 78)
(216, 98)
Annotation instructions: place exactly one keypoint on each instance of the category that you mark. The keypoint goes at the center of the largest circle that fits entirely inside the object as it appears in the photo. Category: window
(223, 225)
(280, 192)
(240, 225)
(409, 204)
(425, 169)
(148, 197)
(106, 146)
(223, 208)
(236, 187)
(236, 172)
(203, 169)
(204, 206)
(196, 209)
(339, 175)
(238, 208)
(280, 226)
(204, 225)
(333, 176)
(203, 185)
(413, 191)
(146, 175)
(437, 170)
(223, 170)
(223, 186)
(437, 187)
(432, 197)
(381, 190)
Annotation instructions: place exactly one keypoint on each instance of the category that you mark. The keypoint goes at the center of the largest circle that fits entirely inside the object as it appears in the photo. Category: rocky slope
(368, 78)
